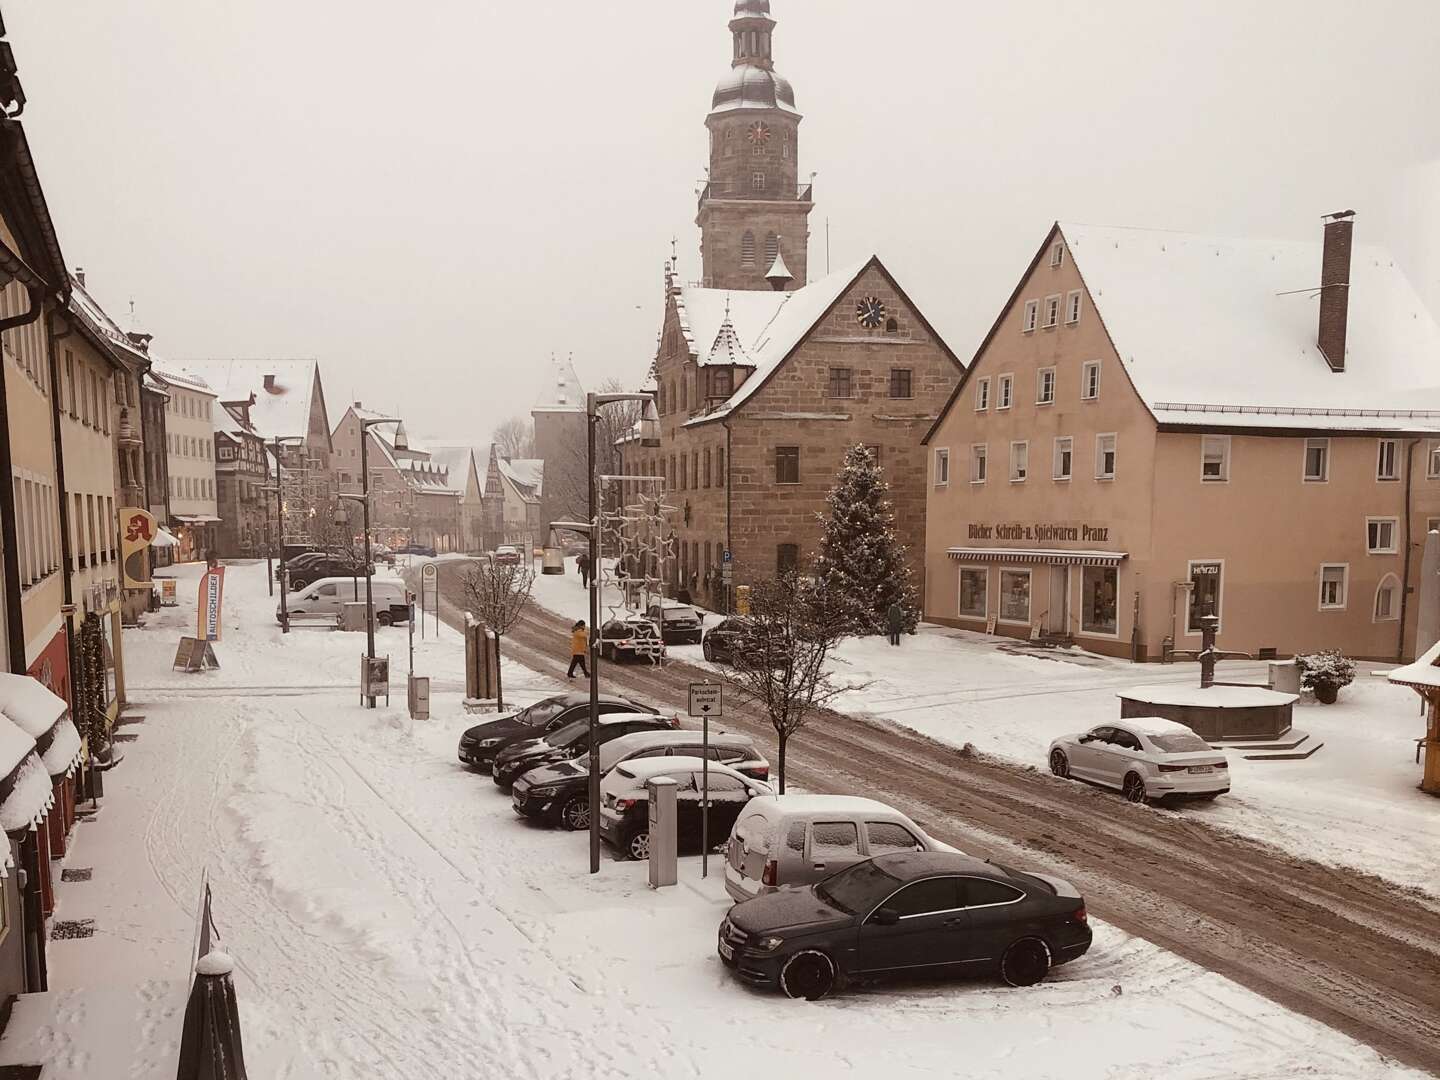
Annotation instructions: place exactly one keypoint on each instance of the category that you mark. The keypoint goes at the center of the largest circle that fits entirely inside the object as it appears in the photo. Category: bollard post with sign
(706, 701)
(429, 575)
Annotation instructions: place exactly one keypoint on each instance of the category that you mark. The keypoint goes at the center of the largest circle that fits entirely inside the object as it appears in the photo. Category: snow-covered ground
(1355, 803)
(391, 917)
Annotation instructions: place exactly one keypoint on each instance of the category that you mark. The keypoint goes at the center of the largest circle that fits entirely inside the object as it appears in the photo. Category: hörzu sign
(1041, 533)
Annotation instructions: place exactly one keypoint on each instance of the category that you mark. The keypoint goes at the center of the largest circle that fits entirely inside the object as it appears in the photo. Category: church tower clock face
(759, 133)
(870, 313)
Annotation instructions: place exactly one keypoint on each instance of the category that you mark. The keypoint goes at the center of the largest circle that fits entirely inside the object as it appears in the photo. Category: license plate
(727, 951)
(1200, 769)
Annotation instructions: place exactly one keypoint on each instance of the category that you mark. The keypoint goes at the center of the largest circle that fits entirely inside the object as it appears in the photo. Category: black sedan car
(480, 744)
(730, 637)
(633, 638)
(927, 912)
(680, 624)
(570, 741)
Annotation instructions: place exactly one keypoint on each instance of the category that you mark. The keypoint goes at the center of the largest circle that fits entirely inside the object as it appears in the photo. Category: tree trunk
(783, 740)
(499, 691)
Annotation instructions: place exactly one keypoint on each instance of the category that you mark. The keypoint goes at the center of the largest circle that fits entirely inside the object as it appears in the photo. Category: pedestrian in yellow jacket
(579, 647)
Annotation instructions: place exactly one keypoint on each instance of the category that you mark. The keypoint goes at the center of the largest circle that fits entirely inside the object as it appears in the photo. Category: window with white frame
(982, 394)
(1045, 387)
(1072, 307)
(1032, 315)
(1019, 461)
(1006, 392)
(1057, 254)
(942, 467)
(1215, 458)
(1104, 457)
(1317, 460)
(1090, 380)
(974, 587)
(1334, 586)
(1380, 535)
(1432, 467)
(1387, 599)
(1064, 464)
(1052, 311)
(979, 463)
(1387, 460)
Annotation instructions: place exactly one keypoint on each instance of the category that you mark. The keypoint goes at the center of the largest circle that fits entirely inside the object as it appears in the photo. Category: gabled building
(458, 464)
(1160, 426)
(190, 461)
(247, 513)
(559, 421)
(514, 494)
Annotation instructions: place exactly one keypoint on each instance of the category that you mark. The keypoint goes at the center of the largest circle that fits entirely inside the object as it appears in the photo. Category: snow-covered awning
(164, 538)
(195, 519)
(1057, 557)
(1423, 674)
(26, 793)
(45, 718)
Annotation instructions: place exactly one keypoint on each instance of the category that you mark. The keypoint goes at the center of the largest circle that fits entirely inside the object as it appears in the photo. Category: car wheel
(1134, 788)
(1059, 764)
(384, 618)
(638, 846)
(575, 814)
(709, 651)
(1025, 962)
(808, 974)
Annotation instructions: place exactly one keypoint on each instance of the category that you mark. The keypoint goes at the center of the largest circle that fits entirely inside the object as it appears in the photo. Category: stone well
(1215, 712)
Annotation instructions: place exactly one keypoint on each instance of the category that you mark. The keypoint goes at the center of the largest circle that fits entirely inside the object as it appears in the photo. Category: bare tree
(781, 654)
(515, 438)
(567, 475)
(497, 595)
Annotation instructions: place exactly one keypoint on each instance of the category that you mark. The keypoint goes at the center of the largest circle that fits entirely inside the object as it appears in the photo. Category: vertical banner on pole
(212, 590)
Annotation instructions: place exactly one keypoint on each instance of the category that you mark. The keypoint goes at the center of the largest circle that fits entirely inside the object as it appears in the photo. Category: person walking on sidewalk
(896, 615)
(579, 646)
(582, 564)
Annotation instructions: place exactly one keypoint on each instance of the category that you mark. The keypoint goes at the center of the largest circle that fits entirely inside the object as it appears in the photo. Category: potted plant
(1324, 673)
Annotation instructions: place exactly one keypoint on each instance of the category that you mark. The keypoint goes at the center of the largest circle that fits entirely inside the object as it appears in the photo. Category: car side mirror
(885, 917)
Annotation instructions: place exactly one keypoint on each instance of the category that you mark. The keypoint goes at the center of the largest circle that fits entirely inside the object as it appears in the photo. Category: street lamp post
(649, 437)
(280, 533)
(364, 500)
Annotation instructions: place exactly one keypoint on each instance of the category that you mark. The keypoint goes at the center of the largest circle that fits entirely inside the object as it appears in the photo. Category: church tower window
(747, 249)
(772, 250)
(757, 181)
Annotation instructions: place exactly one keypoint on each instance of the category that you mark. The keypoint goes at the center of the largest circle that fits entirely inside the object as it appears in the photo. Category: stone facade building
(764, 381)
(190, 459)
(412, 500)
(561, 444)
(247, 514)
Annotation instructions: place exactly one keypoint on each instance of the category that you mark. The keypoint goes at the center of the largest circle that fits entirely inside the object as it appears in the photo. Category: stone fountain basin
(1216, 712)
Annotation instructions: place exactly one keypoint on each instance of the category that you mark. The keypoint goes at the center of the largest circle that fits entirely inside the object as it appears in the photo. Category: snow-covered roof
(89, 309)
(1423, 674)
(182, 377)
(1221, 332)
(561, 390)
(457, 462)
(1215, 697)
(44, 717)
(527, 474)
(283, 409)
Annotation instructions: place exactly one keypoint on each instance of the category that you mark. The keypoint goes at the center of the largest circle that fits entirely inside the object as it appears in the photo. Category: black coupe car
(480, 744)
(570, 741)
(927, 912)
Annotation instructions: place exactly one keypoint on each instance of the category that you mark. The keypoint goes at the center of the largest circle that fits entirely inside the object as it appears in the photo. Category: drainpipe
(9, 534)
(729, 490)
(1405, 566)
(67, 586)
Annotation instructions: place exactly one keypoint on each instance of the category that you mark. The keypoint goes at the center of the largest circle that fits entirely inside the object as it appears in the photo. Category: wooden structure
(1423, 677)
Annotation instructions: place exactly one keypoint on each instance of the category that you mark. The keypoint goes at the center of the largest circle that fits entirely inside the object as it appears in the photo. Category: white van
(328, 596)
(801, 839)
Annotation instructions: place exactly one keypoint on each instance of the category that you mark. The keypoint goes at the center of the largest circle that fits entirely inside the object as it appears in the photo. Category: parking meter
(660, 793)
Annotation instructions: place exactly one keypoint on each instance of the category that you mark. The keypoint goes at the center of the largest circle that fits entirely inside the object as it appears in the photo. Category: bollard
(210, 1040)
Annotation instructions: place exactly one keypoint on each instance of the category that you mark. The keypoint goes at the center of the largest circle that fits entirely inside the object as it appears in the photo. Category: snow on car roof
(646, 768)
(1152, 725)
(833, 804)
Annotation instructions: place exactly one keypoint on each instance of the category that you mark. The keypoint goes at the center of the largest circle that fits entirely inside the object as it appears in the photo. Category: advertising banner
(137, 532)
(212, 589)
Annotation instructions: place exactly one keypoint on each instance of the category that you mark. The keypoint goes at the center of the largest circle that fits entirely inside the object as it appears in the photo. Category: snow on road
(1354, 803)
(393, 919)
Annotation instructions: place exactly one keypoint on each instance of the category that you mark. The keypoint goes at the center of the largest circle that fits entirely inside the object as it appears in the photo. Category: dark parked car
(680, 624)
(632, 638)
(914, 911)
(725, 640)
(416, 549)
(625, 805)
(557, 794)
(480, 744)
(570, 741)
(316, 565)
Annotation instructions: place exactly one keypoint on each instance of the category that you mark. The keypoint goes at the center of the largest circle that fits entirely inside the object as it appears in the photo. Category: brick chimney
(1335, 287)
(270, 384)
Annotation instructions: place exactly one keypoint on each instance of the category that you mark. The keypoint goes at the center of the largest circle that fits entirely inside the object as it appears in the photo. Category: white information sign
(705, 700)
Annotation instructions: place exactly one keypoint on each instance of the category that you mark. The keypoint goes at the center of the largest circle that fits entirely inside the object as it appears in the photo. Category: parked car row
(828, 888)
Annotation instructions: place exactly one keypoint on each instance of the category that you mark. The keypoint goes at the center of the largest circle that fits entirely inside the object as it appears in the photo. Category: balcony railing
(742, 189)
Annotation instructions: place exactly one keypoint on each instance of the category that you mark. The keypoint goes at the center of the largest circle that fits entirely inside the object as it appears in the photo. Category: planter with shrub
(1324, 673)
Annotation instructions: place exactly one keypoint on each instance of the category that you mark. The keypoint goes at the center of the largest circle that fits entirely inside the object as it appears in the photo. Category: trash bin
(1285, 676)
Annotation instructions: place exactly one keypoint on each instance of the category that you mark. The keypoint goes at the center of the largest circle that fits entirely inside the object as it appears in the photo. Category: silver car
(1147, 758)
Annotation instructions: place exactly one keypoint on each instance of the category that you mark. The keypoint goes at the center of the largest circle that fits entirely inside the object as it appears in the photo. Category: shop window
(1387, 599)
(1064, 457)
(1317, 460)
(1215, 458)
(1032, 315)
(1090, 381)
(1099, 587)
(1019, 462)
(1015, 596)
(1206, 580)
(978, 463)
(1334, 585)
(974, 587)
(1380, 535)
(982, 394)
(1387, 463)
(1045, 387)
(942, 468)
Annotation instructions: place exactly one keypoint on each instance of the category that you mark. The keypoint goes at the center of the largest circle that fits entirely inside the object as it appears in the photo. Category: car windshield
(542, 712)
(570, 733)
(1183, 742)
(857, 889)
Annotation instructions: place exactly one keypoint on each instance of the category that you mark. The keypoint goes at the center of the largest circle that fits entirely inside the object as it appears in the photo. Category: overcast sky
(432, 197)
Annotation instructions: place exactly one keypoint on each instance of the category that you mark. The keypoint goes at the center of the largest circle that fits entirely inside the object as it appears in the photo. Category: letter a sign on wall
(212, 589)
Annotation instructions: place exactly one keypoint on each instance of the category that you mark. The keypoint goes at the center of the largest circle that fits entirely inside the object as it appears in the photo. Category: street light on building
(649, 437)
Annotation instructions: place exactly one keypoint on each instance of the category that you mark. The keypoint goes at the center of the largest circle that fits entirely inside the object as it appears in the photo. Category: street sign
(705, 700)
(727, 557)
(727, 574)
(428, 571)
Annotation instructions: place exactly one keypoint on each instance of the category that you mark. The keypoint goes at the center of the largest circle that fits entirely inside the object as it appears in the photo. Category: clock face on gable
(759, 133)
(870, 313)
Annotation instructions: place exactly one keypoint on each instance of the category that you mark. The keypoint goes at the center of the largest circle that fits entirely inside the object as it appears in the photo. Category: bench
(320, 619)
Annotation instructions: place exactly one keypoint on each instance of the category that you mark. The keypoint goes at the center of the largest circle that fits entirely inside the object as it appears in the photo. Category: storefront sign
(137, 532)
(212, 589)
(1041, 533)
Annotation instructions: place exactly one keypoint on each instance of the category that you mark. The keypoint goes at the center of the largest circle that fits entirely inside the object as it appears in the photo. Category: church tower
(754, 211)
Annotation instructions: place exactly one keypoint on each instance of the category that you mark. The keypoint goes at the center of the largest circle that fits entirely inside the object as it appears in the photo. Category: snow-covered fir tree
(861, 562)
